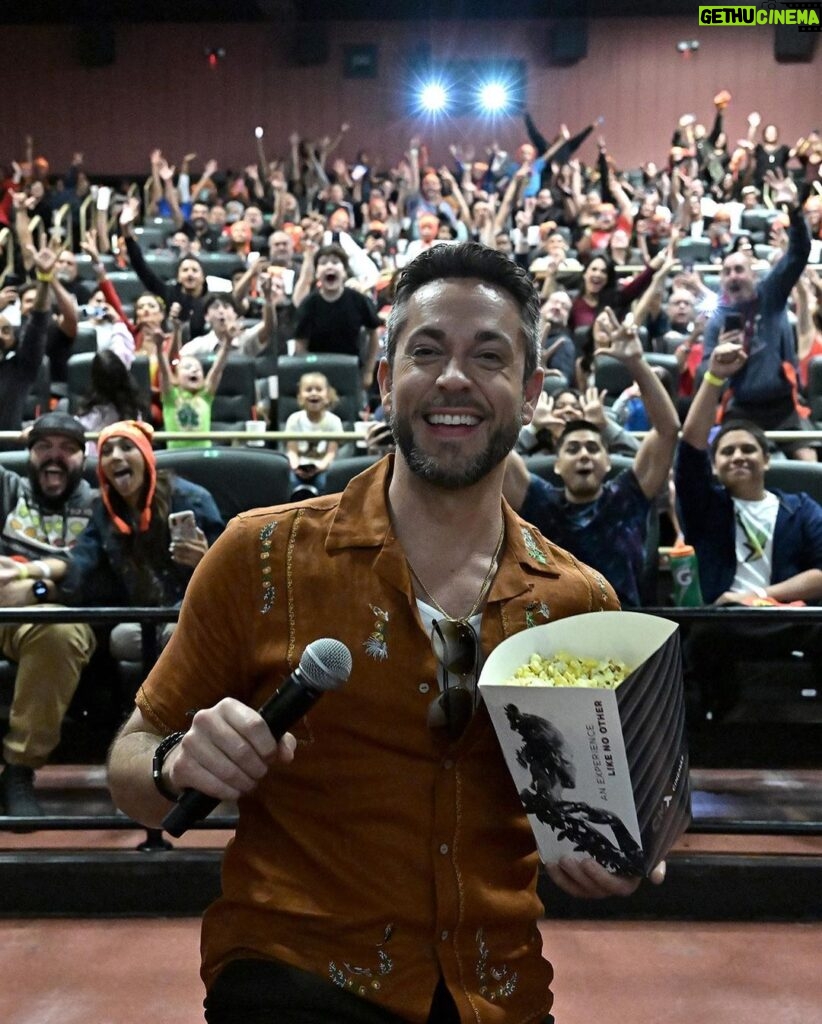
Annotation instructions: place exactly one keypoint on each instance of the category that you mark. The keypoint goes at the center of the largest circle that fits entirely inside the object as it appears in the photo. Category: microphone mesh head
(326, 664)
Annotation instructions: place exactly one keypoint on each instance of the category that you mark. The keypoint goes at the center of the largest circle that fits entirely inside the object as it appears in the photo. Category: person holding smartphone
(753, 315)
(137, 548)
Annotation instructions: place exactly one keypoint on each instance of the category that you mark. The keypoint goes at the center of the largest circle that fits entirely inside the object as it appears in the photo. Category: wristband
(160, 754)
(44, 567)
(45, 278)
(712, 378)
(23, 572)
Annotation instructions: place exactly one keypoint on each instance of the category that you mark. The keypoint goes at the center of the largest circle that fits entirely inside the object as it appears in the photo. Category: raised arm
(135, 254)
(255, 338)
(726, 359)
(456, 192)
(655, 457)
(805, 304)
(164, 371)
(789, 267)
(215, 374)
(509, 199)
(663, 263)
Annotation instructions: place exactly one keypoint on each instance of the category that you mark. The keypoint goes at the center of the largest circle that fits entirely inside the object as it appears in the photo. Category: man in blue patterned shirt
(604, 524)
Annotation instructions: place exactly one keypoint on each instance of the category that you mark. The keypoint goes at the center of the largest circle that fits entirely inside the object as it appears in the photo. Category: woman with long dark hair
(600, 289)
(112, 395)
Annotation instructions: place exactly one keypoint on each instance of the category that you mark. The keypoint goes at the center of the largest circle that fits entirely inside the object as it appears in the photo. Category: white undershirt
(430, 615)
(755, 523)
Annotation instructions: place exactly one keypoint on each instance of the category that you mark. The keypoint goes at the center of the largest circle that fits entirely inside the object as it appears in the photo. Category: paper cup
(601, 773)
(255, 427)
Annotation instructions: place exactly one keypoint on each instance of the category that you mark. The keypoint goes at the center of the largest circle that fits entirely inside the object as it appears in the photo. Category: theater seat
(238, 478)
(237, 392)
(342, 470)
(343, 373)
(794, 476)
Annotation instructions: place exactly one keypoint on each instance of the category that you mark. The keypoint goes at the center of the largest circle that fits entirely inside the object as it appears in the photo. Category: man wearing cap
(42, 515)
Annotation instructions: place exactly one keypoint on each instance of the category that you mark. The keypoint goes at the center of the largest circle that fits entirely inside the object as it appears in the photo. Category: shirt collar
(362, 520)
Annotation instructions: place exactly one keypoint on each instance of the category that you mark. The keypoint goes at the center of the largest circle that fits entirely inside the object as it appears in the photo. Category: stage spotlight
(433, 97)
(494, 97)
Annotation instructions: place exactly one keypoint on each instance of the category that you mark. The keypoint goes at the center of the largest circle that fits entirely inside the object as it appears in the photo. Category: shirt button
(424, 687)
(444, 848)
(444, 935)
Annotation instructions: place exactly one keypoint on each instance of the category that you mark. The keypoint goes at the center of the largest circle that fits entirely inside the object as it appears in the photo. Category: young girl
(187, 393)
(309, 460)
(112, 396)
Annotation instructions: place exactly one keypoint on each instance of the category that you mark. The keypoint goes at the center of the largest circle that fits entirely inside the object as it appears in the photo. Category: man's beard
(429, 468)
(55, 502)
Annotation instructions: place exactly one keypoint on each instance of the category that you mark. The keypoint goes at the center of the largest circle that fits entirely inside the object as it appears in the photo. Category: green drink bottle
(685, 576)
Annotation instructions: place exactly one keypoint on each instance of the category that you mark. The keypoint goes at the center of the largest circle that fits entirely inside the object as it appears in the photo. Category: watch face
(40, 590)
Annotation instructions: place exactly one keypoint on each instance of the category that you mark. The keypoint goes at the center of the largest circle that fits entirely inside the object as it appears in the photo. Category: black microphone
(325, 665)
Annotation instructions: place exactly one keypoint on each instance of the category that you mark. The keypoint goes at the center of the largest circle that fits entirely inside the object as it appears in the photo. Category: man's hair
(226, 298)
(575, 426)
(462, 261)
(755, 431)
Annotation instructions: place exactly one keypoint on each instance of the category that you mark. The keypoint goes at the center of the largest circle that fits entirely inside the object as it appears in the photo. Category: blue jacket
(768, 335)
(707, 515)
(101, 573)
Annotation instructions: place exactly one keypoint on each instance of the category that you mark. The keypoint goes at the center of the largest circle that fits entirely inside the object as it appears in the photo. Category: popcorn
(564, 669)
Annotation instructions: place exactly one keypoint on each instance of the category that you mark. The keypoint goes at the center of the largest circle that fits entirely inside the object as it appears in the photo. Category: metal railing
(149, 618)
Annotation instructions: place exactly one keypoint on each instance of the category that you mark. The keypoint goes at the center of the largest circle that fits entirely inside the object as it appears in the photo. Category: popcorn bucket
(600, 772)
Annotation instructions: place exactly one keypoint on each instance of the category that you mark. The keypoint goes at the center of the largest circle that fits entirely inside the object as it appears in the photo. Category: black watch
(164, 748)
(40, 590)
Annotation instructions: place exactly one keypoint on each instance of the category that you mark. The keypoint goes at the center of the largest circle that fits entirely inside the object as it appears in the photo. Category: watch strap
(164, 748)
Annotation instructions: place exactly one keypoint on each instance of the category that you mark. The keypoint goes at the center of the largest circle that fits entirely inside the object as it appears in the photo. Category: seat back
(37, 400)
(238, 479)
(220, 264)
(613, 376)
(85, 340)
(665, 361)
(815, 387)
(127, 285)
(793, 475)
(163, 265)
(343, 373)
(757, 220)
(236, 395)
(78, 377)
(342, 470)
(152, 236)
(693, 250)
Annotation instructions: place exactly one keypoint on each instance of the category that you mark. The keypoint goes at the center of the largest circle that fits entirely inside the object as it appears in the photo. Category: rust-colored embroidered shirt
(381, 858)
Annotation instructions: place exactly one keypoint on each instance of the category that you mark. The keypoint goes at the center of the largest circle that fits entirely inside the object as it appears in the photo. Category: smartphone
(734, 322)
(182, 526)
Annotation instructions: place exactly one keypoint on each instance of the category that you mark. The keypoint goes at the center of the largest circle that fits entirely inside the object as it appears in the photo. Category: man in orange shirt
(383, 869)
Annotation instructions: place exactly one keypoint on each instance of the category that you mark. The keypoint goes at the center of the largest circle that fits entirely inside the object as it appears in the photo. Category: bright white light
(433, 97)
(494, 97)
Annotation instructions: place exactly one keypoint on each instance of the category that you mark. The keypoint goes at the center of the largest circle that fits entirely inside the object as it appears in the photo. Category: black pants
(269, 992)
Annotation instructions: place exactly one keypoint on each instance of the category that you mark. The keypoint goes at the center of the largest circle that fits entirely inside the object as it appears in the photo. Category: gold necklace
(484, 586)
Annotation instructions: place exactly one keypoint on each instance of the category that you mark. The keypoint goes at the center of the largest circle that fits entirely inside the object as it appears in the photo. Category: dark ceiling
(59, 11)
